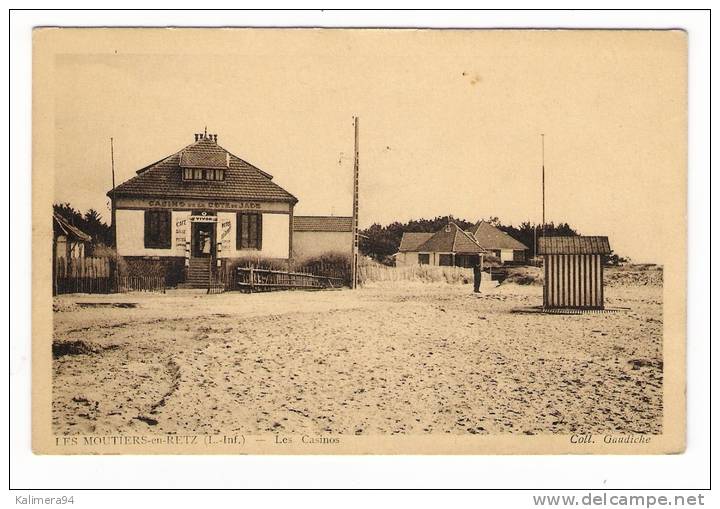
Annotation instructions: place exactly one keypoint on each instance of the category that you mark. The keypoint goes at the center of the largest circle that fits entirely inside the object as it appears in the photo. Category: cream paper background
(665, 183)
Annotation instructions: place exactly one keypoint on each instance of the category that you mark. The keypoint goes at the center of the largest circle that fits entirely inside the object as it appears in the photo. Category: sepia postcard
(359, 241)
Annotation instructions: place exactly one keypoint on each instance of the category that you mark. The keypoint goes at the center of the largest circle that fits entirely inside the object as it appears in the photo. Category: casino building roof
(203, 170)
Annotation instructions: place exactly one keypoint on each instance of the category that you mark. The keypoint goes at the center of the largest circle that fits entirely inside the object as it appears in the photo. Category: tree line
(91, 222)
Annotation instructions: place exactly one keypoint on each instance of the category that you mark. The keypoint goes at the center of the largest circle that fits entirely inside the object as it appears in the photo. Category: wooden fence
(82, 275)
(262, 280)
(330, 268)
(140, 284)
(96, 275)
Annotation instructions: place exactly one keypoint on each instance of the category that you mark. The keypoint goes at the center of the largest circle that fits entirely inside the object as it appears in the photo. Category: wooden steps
(198, 275)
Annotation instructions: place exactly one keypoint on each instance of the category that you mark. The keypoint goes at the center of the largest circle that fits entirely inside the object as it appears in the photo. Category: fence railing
(140, 284)
(252, 280)
(97, 275)
(333, 269)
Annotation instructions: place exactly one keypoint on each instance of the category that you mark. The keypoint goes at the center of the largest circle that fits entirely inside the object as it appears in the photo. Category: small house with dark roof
(450, 246)
(499, 243)
(573, 271)
(69, 241)
(321, 235)
(407, 251)
(199, 209)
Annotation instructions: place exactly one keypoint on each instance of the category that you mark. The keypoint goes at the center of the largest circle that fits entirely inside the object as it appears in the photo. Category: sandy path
(416, 359)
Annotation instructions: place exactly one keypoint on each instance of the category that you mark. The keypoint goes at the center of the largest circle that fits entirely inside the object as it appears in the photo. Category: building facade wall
(61, 248)
(131, 234)
(275, 237)
(276, 231)
(405, 258)
(506, 255)
(311, 244)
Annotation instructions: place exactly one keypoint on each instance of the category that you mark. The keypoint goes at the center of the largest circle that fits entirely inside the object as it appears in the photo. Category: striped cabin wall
(573, 280)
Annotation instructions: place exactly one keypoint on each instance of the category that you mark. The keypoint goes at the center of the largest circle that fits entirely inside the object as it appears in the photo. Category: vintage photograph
(336, 241)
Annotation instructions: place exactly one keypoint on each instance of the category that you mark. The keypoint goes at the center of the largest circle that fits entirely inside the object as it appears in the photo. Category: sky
(450, 121)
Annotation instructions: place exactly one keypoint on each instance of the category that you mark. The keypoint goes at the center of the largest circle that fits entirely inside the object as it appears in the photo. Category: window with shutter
(445, 260)
(157, 229)
(249, 231)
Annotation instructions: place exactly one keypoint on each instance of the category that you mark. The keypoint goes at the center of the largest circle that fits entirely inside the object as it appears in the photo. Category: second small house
(321, 235)
(451, 246)
(498, 243)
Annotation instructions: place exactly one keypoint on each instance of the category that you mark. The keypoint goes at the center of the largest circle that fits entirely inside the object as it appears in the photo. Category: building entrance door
(203, 240)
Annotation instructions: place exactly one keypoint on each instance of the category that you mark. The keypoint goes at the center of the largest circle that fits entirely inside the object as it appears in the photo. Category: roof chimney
(205, 136)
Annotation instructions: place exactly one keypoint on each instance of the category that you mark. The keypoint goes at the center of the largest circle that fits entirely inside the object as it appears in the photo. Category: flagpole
(112, 211)
(356, 170)
(542, 137)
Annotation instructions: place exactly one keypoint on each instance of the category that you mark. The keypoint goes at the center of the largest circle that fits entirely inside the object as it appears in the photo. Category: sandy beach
(388, 358)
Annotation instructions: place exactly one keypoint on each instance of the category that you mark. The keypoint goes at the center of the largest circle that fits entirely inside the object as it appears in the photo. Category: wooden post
(113, 215)
(54, 262)
(291, 226)
(356, 166)
(542, 137)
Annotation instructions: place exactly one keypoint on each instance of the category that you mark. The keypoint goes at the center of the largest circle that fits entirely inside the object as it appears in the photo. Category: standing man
(477, 277)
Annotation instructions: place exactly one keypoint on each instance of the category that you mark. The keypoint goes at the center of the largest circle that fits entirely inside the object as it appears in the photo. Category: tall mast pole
(356, 171)
(112, 206)
(112, 211)
(542, 137)
(112, 163)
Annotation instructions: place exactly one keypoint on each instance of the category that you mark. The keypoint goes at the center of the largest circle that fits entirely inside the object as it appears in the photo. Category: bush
(526, 275)
(258, 262)
(418, 273)
(331, 264)
(329, 258)
(170, 269)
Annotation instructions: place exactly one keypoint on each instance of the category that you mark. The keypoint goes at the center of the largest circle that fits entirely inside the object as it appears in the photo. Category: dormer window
(203, 174)
(214, 174)
(204, 160)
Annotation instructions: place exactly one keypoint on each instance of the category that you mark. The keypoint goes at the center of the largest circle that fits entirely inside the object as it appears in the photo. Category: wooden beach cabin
(573, 271)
